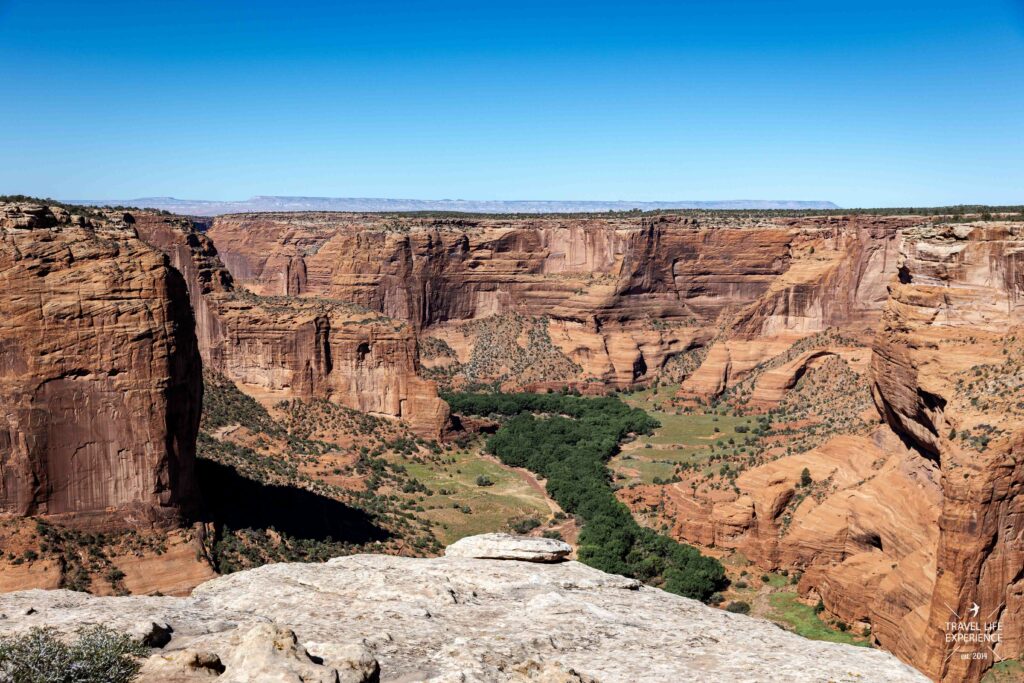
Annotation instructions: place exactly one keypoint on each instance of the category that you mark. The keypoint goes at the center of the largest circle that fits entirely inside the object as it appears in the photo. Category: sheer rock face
(454, 618)
(623, 295)
(99, 371)
(288, 347)
(953, 321)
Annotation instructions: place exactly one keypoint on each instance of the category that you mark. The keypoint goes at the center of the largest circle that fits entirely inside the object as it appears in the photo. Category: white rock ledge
(451, 619)
(508, 547)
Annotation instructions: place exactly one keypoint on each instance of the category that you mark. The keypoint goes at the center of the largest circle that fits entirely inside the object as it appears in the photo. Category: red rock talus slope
(291, 347)
(99, 371)
(620, 296)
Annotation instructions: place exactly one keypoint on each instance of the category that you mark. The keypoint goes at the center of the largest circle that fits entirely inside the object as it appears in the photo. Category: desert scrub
(98, 655)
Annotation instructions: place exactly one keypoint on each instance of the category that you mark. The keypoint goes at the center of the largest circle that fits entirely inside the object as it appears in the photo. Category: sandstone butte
(368, 618)
(921, 519)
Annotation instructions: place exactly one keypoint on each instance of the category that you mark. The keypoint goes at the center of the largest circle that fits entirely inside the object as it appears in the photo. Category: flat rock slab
(463, 619)
(508, 547)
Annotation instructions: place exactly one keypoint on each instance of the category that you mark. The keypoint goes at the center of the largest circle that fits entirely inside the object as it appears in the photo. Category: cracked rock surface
(450, 619)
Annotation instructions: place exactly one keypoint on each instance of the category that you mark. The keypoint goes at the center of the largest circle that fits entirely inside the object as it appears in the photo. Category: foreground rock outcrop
(448, 619)
(99, 371)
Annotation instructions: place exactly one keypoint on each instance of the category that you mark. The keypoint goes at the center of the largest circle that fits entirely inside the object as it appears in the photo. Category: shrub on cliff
(99, 655)
(739, 607)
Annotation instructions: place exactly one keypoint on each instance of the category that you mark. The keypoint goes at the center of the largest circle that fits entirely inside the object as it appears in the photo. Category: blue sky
(862, 103)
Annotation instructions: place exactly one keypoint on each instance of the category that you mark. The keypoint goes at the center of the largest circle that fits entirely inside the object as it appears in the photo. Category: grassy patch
(1005, 671)
(789, 612)
(452, 482)
(681, 439)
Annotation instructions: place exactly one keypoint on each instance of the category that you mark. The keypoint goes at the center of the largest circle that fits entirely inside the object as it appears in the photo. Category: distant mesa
(202, 207)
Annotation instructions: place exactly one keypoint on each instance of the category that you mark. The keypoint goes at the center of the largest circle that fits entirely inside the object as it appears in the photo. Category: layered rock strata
(621, 296)
(99, 371)
(948, 380)
(914, 528)
(284, 347)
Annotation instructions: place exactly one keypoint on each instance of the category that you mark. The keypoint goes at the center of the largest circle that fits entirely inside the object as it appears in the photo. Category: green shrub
(738, 607)
(484, 480)
(805, 477)
(525, 526)
(99, 655)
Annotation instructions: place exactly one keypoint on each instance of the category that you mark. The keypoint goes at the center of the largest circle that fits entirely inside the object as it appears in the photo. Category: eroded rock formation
(99, 371)
(913, 528)
(285, 347)
(619, 297)
(447, 619)
(948, 381)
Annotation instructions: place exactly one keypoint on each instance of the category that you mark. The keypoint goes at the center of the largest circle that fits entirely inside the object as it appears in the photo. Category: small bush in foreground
(99, 655)
(739, 607)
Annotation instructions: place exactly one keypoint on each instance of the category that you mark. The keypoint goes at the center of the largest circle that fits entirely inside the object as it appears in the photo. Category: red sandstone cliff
(99, 371)
(620, 296)
(913, 523)
(948, 380)
(290, 347)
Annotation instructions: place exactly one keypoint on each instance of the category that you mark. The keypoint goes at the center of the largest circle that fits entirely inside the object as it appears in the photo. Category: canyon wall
(99, 372)
(620, 296)
(913, 527)
(284, 347)
(948, 373)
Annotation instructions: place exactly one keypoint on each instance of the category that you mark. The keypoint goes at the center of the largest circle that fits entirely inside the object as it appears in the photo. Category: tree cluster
(567, 440)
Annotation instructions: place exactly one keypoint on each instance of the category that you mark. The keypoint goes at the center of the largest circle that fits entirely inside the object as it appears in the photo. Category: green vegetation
(82, 555)
(738, 607)
(286, 454)
(805, 477)
(459, 507)
(1006, 671)
(803, 619)
(99, 655)
(497, 355)
(569, 445)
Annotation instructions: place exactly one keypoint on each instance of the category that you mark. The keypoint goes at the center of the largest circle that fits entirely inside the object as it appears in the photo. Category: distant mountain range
(203, 207)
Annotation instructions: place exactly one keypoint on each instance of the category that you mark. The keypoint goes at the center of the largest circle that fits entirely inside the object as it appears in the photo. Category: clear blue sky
(862, 103)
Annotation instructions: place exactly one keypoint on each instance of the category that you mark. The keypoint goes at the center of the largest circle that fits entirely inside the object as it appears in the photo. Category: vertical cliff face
(292, 347)
(622, 296)
(948, 380)
(100, 386)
